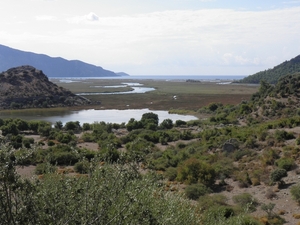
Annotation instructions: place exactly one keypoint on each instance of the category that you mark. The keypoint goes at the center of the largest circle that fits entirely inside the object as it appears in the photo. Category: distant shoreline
(163, 77)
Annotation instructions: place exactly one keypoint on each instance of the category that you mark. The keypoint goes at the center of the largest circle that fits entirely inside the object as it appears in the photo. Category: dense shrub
(166, 124)
(282, 135)
(179, 123)
(82, 167)
(74, 126)
(285, 163)
(194, 191)
(193, 171)
(277, 175)
(51, 143)
(112, 194)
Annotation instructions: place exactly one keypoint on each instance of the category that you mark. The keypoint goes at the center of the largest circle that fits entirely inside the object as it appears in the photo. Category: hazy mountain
(27, 87)
(52, 67)
(122, 74)
(273, 75)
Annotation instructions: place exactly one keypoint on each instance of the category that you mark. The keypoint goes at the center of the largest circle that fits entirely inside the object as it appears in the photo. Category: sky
(157, 37)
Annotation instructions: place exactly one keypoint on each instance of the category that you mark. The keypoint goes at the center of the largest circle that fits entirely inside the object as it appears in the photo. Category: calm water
(91, 115)
(136, 90)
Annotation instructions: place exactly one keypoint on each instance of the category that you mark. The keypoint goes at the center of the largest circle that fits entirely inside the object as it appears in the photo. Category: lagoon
(91, 115)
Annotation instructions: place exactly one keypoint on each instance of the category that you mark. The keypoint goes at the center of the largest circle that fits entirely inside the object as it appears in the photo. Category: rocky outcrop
(28, 87)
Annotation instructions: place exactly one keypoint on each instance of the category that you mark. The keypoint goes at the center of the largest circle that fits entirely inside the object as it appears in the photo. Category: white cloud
(91, 17)
(46, 17)
(170, 42)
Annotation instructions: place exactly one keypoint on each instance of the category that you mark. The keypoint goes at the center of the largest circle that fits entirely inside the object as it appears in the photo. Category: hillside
(271, 102)
(273, 75)
(53, 67)
(238, 166)
(26, 87)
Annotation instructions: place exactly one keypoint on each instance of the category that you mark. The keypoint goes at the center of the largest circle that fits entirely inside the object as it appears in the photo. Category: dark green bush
(51, 143)
(285, 163)
(179, 123)
(282, 135)
(166, 124)
(82, 167)
(194, 191)
(277, 175)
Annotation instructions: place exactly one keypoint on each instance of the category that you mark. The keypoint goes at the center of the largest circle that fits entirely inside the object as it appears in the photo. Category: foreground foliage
(109, 194)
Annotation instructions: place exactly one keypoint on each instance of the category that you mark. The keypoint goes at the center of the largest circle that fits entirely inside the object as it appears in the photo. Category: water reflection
(136, 90)
(91, 115)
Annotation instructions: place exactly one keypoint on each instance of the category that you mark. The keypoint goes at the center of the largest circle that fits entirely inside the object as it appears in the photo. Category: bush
(82, 167)
(193, 171)
(179, 123)
(43, 168)
(277, 175)
(282, 135)
(295, 191)
(285, 163)
(194, 191)
(51, 143)
(171, 173)
(246, 201)
(217, 213)
(166, 124)
(205, 202)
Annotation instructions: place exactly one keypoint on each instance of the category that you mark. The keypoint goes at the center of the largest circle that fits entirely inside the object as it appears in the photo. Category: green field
(189, 95)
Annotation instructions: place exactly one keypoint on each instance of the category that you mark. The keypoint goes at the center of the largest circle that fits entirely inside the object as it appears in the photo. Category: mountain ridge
(52, 66)
(273, 75)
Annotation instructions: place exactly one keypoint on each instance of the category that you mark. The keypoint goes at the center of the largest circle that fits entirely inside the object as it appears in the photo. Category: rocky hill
(273, 75)
(53, 67)
(278, 101)
(27, 87)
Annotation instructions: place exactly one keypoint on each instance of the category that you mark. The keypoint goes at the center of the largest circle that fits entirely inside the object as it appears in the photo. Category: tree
(74, 126)
(10, 128)
(86, 126)
(149, 118)
(58, 125)
(166, 124)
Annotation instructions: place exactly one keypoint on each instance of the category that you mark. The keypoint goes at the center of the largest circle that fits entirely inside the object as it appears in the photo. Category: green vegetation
(295, 191)
(110, 194)
(146, 172)
(273, 75)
